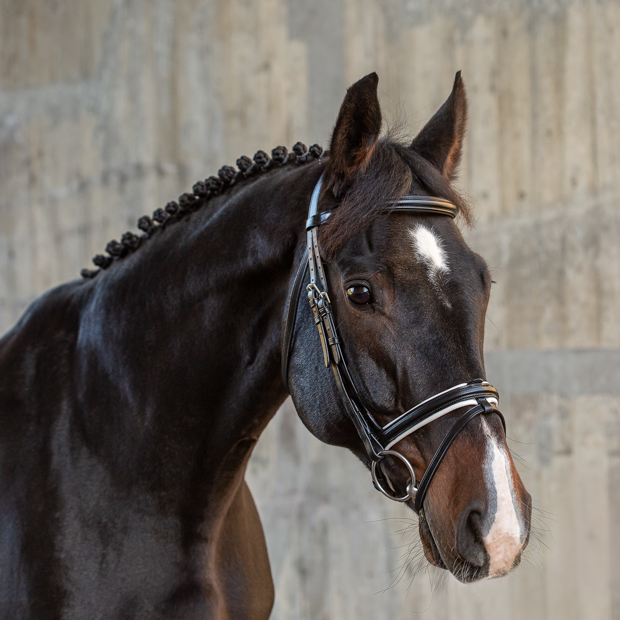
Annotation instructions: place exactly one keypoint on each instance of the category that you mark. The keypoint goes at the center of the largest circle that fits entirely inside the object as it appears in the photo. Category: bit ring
(411, 488)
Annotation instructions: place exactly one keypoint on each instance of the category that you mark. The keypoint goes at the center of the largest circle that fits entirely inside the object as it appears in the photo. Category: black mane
(203, 191)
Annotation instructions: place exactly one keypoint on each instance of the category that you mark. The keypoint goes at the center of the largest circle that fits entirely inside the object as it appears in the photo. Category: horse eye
(359, 294)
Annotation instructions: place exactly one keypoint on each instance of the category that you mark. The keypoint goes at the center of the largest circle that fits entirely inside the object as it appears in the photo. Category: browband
(420, 205)
(479, 396)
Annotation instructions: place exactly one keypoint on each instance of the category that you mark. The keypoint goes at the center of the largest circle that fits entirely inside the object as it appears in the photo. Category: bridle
(481, 397)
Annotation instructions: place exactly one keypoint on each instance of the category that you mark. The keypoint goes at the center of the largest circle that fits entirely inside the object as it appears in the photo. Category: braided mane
(203, 191)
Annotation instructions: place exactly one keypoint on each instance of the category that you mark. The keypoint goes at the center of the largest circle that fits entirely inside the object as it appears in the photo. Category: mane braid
(203, 191)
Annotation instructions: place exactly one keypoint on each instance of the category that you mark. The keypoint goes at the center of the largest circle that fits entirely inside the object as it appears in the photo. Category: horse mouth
(431, 551)
(462, 570)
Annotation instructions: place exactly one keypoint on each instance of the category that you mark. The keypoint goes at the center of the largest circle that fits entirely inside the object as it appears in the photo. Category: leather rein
(478, 395)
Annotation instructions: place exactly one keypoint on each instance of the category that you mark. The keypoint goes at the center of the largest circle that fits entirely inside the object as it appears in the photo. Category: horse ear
(441, 139)
(355, 134)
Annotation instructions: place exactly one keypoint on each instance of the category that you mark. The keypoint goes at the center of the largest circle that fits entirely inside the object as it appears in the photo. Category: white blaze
(503, 542)
(428, 249)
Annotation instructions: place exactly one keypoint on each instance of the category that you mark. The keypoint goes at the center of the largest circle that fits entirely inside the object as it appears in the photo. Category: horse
(131, 399)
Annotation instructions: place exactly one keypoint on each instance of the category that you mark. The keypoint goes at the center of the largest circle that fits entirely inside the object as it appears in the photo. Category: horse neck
(179, 346)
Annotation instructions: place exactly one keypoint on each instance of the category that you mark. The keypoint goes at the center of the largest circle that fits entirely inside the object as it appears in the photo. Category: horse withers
(130, 400)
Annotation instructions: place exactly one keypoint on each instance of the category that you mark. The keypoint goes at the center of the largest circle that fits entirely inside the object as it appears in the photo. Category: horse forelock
(392, 170)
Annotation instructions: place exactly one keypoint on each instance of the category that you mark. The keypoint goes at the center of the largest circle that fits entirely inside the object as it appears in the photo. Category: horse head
(407, 299)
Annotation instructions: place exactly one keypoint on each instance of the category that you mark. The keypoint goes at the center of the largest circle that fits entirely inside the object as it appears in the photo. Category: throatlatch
(478, 395)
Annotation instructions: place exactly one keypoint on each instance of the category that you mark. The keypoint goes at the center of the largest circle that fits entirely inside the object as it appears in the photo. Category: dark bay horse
(131, 400)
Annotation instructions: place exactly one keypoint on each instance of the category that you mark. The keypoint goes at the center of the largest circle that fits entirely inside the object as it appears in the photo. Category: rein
(480, 396)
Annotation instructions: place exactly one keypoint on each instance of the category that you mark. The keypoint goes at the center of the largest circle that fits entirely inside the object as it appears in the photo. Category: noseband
(479, 396)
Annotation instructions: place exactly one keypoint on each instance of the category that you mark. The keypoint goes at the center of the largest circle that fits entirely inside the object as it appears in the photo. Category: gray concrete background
(109, 108)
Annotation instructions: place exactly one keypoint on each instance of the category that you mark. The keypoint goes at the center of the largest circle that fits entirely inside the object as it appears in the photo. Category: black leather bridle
(479, 396)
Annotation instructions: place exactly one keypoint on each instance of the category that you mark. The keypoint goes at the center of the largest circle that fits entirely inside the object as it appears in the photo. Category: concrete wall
(109, 108)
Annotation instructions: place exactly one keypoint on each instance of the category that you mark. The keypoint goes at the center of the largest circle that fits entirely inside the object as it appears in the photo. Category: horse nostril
(469, 543)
